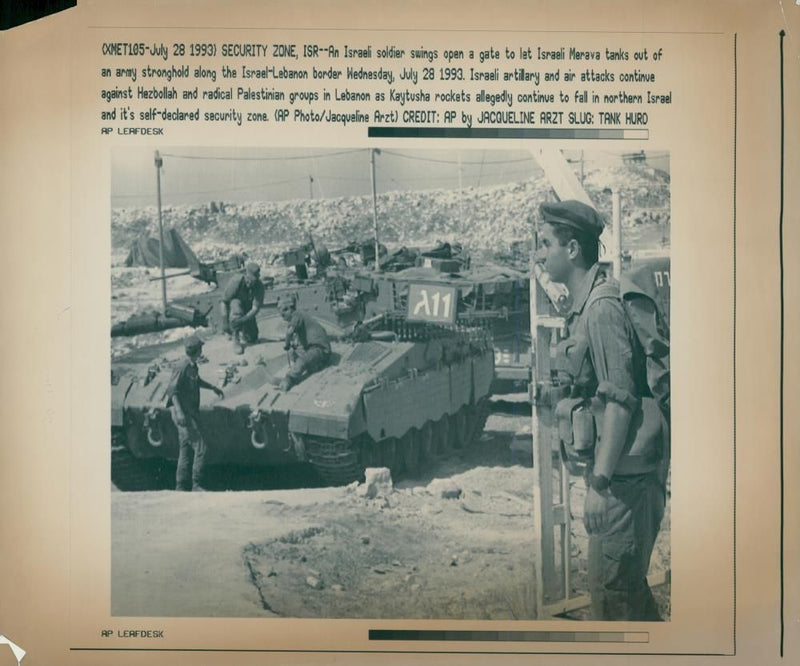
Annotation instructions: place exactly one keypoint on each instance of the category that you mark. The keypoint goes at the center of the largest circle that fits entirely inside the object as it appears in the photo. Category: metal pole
(375, 208)
(460, 195)
(311, 187)
(538, 495)
(173, 275)
(159, 163)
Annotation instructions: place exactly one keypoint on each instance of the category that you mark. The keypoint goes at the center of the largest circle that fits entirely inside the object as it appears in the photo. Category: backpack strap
(608, 289)
(648, 324)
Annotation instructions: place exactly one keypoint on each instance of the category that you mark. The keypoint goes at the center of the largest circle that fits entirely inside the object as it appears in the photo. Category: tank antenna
(372, 153)
(159, 163)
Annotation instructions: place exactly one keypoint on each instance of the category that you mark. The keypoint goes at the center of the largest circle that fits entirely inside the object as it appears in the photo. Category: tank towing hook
(152, 425)
(256, 423)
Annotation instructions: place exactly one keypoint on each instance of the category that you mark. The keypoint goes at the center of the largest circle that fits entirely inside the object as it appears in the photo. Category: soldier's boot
(238, 344)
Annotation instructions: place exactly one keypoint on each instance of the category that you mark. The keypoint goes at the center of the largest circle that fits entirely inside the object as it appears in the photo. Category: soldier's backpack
(651, 326)
(581, 420)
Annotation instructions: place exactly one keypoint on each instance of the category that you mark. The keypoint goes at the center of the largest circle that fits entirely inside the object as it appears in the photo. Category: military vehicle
(321, 293)
(405, 383)
(492, 297)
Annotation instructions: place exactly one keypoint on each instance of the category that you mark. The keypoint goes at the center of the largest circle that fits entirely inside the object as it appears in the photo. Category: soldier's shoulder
(179, 368)
(604, 287)
(231, 287)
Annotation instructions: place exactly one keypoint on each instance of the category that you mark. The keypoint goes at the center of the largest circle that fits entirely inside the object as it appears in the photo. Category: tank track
(129, 473)
(336, 461)
(340, 462)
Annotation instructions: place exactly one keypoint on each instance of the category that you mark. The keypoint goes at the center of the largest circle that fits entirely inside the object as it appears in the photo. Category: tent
(177, 254)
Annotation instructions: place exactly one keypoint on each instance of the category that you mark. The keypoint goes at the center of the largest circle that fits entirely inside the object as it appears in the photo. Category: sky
(200, 175)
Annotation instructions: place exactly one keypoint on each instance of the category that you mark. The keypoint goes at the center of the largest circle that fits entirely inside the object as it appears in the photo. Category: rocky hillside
(482, 218)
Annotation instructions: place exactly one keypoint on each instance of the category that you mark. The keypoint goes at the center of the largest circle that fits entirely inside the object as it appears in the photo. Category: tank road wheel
(442, 434)
(410, 452)
(427, 444)
(459, 430)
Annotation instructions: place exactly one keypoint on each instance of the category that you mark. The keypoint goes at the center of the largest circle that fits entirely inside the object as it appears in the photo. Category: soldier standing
(183, 399)
(625, 494)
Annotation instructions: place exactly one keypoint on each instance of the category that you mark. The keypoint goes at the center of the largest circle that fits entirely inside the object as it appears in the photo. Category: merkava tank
(492, 296)
(408, 380)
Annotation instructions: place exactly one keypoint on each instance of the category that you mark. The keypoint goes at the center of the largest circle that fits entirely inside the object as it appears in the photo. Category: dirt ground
(456, 543)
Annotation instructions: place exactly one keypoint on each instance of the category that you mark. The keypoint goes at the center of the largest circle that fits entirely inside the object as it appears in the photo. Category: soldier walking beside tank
(307, 341)
(624, 460)
(183, 399)
(243, 298)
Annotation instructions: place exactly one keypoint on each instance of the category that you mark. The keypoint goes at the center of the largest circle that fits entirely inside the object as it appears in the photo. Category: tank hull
(377, 401)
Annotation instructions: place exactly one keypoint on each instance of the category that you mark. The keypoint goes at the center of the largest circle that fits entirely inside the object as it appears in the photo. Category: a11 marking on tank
(392, 401)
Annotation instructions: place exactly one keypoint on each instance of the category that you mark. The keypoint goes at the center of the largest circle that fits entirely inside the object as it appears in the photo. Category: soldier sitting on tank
(307, 341)
(243, 298)
(183, 399)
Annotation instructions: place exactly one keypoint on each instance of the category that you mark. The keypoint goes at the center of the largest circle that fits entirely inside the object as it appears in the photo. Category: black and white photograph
(390, 383)
(347, 332)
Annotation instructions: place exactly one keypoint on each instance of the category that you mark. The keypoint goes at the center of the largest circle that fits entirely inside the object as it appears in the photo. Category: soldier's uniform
(185, 384)
(311, 346)
(619, 557)
(605, 362)
(240, 296)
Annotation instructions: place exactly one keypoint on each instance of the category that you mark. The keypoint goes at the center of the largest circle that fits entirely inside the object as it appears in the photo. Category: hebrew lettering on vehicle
(432, 303)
